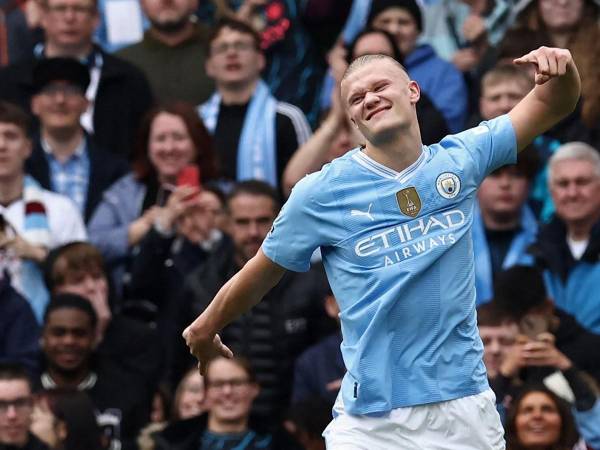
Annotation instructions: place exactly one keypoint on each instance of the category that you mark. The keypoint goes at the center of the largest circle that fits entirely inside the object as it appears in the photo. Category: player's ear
(415, 91)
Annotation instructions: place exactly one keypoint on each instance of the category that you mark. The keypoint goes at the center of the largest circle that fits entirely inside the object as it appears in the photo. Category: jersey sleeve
(296, 232)
(489, 146)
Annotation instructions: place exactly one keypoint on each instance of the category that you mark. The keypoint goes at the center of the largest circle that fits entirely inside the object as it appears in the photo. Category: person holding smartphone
(170, 139)
(540, 344)
(183, 235)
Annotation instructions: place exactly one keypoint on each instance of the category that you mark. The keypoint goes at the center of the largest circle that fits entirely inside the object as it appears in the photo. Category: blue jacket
(588, 424)
(517, 253)
(572, 284)
(443, 82)
(121, 204)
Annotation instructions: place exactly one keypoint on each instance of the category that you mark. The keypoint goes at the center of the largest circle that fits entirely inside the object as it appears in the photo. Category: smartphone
(189, 176)
(532, 325)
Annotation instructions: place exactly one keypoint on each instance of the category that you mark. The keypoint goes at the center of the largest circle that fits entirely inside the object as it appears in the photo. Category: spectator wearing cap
(64, 158)
(568, 248)
(439, 79)
(118, 93)
(33, 220)
(504, 226)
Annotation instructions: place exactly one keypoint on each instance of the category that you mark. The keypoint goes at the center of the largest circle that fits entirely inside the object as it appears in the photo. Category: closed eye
(380, 87)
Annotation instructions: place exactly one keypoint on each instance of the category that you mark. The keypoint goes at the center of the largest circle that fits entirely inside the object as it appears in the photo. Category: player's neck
(398, 153)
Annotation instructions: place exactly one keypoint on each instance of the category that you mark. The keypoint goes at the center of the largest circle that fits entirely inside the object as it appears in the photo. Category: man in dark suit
(65, 159)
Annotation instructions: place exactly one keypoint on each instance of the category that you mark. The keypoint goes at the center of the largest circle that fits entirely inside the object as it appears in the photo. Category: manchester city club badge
(448, 185)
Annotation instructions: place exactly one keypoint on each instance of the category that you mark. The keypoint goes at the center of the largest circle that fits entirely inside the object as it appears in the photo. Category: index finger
(526, 59)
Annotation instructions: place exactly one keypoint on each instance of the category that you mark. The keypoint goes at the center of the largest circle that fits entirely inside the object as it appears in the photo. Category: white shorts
(468, 423)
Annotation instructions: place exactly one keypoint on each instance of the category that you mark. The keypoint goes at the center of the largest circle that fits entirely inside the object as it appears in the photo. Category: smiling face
(170, 146)
(68, 340)
(575, 189)
(230, 392)
(380, 99)
(538, 421)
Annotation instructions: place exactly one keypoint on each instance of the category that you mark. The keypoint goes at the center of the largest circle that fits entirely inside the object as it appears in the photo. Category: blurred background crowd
(146, 146)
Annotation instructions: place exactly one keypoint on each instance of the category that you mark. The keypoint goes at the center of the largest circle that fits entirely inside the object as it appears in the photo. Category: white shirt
(577, 247)
(64, 222)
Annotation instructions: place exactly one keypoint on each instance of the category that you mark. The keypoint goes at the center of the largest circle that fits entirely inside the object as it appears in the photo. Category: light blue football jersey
(398, 254)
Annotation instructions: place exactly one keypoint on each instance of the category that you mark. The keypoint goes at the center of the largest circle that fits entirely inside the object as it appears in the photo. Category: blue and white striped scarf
(257, 153)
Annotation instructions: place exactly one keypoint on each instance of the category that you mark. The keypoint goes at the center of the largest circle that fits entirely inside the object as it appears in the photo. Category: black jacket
(19, 331)
(271, 335)
(551, 251)
(32, 444)
(186, 435)
(105, 169)
(123, 97)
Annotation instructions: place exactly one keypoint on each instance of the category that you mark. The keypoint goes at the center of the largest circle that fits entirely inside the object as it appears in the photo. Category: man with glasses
(118, 93)
(16, 407)
(255, 134)
(231, 388)
(65, 159)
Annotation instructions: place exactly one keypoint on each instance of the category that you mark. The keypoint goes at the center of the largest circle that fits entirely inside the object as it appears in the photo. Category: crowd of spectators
(146, 147)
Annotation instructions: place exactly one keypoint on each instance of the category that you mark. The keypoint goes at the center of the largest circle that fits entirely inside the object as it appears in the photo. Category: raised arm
(244, 290)
(554, 97)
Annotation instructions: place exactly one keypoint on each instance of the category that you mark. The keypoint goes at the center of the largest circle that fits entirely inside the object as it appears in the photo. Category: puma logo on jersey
(367, 213)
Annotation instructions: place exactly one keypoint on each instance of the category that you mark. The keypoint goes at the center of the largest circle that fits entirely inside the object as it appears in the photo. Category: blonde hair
(364, 60)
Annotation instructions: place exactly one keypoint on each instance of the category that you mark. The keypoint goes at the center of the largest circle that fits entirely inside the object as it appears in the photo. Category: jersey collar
(370, 164)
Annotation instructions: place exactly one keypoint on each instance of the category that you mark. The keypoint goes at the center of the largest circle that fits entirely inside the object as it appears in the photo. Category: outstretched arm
(554, 97)
(244, 290)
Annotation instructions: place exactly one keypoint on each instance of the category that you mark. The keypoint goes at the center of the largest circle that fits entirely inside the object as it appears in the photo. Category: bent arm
(311, 156)
(244, 290)
(554, 97)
